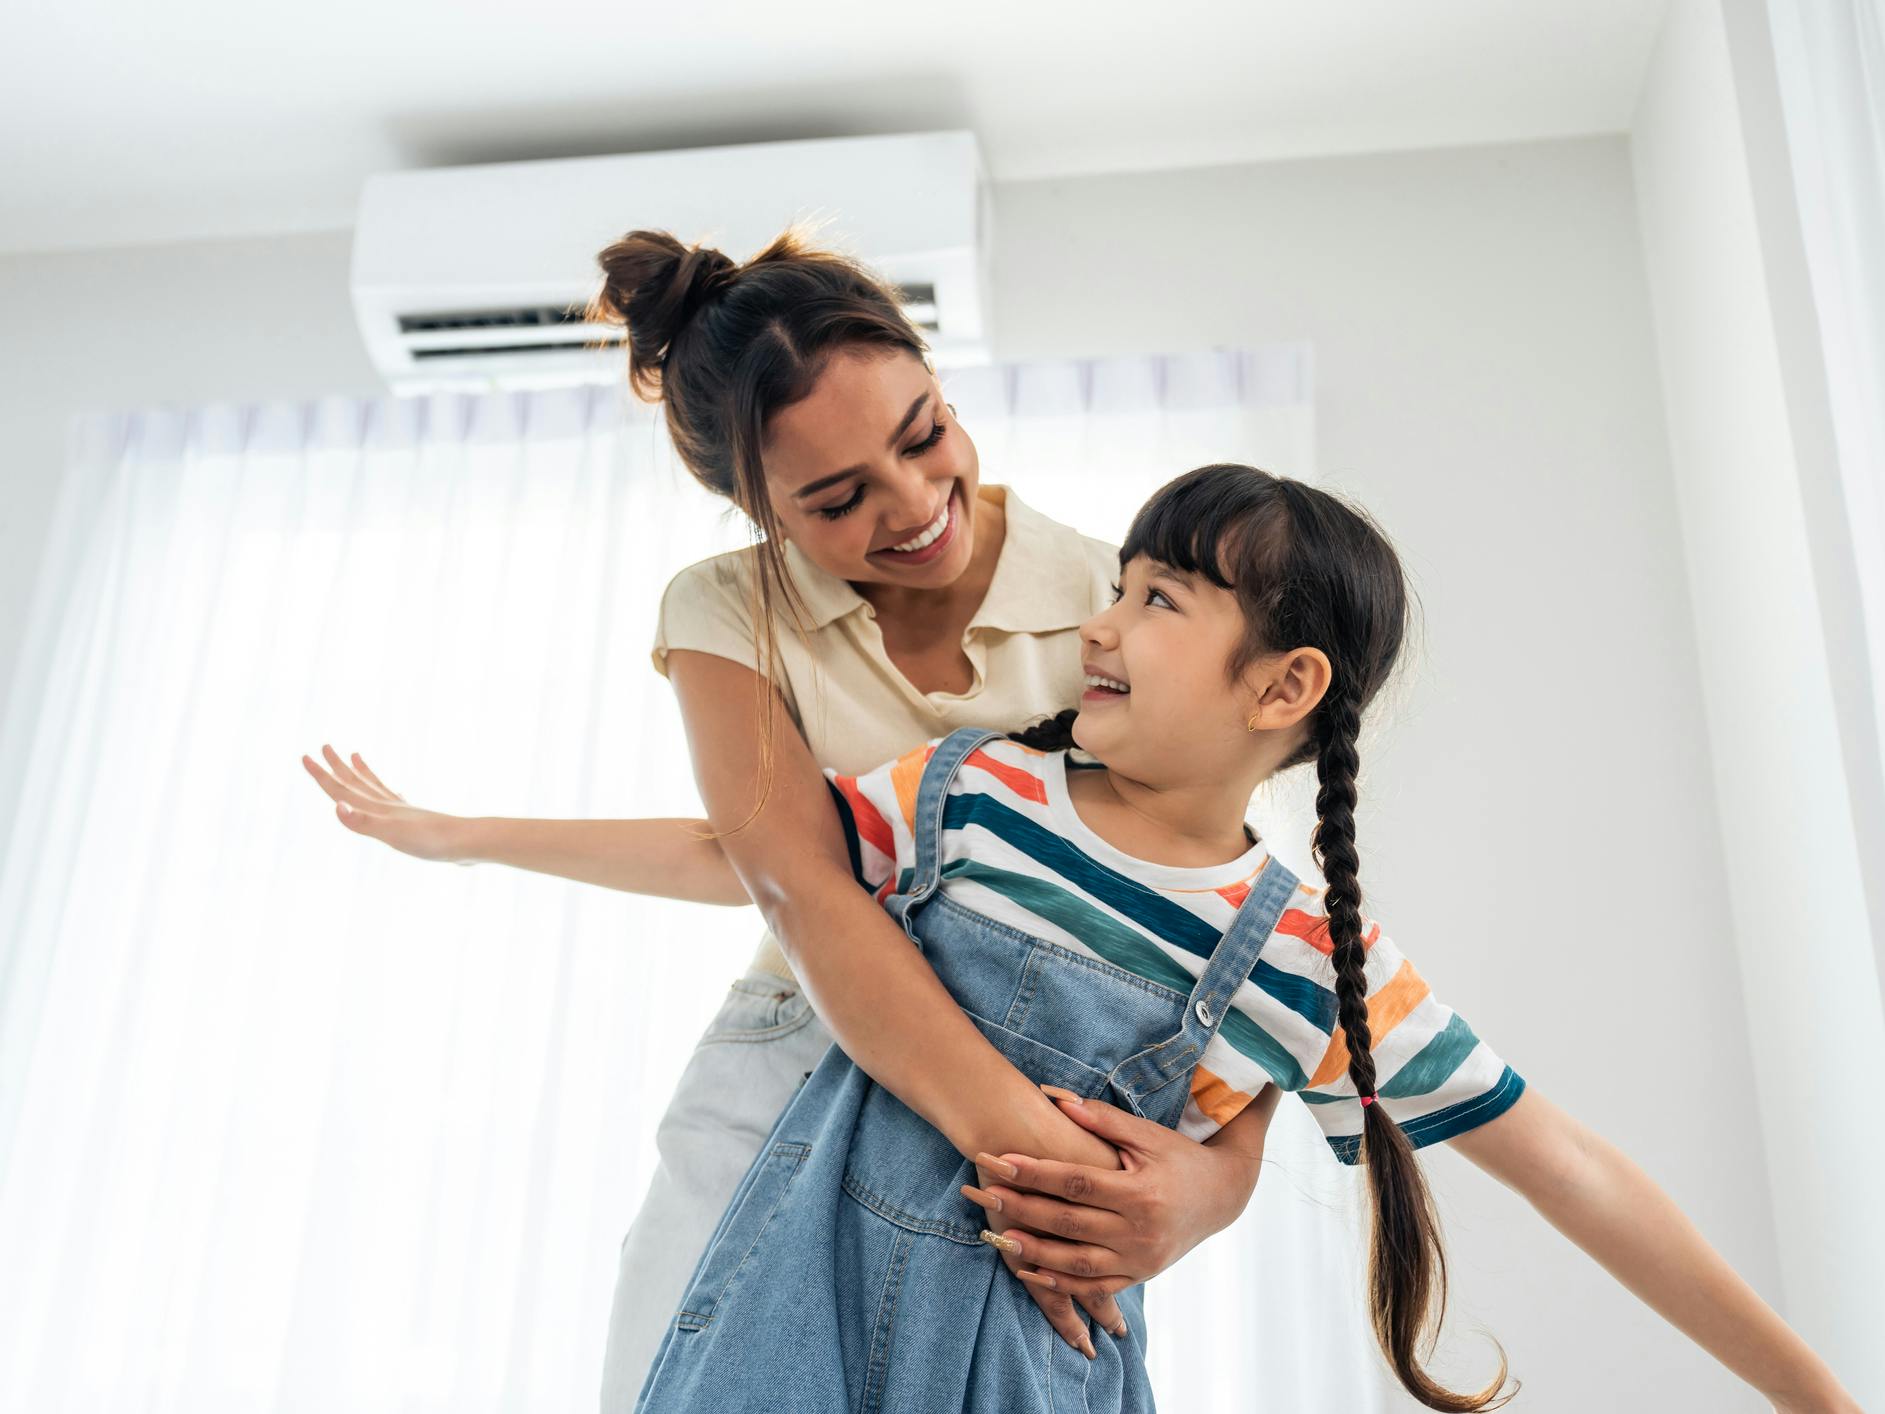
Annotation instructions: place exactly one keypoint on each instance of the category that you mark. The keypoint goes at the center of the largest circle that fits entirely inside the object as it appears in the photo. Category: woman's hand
(365, 806)
(1084, 1234)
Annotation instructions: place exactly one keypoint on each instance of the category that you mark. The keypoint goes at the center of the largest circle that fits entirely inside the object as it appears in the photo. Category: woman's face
(870, 460)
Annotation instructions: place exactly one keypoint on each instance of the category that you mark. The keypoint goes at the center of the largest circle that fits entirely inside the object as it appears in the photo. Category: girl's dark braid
(1049, 734)
(1338, 763)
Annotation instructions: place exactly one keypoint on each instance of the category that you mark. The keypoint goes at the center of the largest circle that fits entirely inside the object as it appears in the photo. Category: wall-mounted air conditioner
(475, 277)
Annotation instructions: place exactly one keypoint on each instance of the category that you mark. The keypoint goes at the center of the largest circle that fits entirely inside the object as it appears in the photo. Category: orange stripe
(1221, 1104)
(905, 777)
(872, 828)
(1313, 929)
(1387, 1009)
(1023, 783)
(1234, 894)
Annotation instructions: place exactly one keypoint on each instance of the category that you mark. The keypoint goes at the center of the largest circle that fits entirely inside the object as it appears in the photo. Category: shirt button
(1204, 1011)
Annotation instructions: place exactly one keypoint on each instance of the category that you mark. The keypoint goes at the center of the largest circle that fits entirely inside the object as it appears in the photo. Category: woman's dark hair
(1311, 571)
(723, 346)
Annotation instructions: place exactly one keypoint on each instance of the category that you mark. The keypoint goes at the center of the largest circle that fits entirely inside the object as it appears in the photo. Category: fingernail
(1000, 1166)
(1061, 1094)
(996, 1239)
(977, 1195)
(1086, 1345)
(1042, 1278)
(1122, 1332)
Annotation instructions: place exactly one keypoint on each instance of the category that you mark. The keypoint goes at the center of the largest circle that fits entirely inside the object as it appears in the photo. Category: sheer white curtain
(290, 1121)
(1830, 64)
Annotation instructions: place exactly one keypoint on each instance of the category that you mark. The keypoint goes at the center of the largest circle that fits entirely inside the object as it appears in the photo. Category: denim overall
(848, 1273)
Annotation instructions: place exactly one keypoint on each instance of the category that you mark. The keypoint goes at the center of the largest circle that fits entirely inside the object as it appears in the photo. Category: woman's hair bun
(653, 285)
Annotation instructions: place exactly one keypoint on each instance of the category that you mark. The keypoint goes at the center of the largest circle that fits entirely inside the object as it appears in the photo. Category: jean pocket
(904, 1170)
(735, 1248)
(758, 1010)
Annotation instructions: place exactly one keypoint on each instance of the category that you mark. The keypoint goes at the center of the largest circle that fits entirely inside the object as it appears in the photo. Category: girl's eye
(839, 512)
(1118, 592)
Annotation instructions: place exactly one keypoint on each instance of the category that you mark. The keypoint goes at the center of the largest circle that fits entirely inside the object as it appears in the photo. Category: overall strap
(1232, 961)
(931, 795)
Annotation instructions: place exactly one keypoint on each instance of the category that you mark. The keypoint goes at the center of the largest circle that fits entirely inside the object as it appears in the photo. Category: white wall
(1800, 912)
(1539, 829)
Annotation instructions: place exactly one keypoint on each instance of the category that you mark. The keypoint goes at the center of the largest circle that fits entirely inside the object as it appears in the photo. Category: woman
(892, 600)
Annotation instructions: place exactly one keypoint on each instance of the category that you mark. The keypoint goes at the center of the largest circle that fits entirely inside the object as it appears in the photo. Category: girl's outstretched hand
(1085, 1234)
(364, 805)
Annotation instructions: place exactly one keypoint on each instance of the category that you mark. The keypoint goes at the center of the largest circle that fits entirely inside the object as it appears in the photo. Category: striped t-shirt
(1015, 850)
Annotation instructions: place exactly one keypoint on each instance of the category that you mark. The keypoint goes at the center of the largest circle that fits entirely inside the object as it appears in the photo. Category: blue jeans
(752, 1057)
(848, 1273)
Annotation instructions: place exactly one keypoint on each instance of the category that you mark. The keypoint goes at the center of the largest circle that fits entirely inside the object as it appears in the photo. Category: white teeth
(930, 532)
(1095, 680)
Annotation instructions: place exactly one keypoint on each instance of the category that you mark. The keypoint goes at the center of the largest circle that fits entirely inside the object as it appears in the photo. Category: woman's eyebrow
(814, 487)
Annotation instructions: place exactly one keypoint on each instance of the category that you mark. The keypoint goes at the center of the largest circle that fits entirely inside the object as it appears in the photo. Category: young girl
(1112, 928)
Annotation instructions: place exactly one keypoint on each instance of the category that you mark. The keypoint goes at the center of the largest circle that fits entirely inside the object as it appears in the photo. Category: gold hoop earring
(1251, 725)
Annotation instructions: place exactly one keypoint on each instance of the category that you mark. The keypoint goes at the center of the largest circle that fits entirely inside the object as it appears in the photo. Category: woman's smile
(932, 541)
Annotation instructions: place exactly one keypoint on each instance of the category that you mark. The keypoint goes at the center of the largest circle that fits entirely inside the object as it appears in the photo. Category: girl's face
(1165, 641)
(873, 460)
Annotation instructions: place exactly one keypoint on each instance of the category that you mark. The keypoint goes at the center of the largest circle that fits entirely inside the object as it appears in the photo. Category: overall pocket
(904, 1170)
(735, 1246)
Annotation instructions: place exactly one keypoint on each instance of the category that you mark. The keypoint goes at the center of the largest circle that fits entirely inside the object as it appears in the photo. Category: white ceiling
(128, 121)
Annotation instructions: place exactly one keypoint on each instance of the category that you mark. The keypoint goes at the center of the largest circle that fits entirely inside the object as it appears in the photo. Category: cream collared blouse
(854, 708)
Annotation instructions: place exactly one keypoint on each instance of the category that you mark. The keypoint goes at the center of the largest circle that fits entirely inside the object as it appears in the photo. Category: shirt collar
(1042, 581)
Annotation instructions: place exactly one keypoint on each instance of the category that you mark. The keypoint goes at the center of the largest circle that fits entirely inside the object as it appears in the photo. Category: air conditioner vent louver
(516, 318)
(480, 276)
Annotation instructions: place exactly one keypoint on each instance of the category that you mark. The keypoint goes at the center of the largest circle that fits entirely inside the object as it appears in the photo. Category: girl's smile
(1102, 686)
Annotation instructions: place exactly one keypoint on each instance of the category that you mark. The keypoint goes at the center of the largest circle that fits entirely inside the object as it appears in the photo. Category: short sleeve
(706, 608)
(877, 809)
(1435, 1076)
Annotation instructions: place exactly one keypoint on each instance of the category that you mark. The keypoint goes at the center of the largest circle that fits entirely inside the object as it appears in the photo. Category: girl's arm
(663, 857)
(1592, 1193)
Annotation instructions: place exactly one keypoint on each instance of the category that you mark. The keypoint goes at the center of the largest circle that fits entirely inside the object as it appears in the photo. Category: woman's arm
(871, 987)
(1592, 1193)
(1089, 1233)
(664, 857)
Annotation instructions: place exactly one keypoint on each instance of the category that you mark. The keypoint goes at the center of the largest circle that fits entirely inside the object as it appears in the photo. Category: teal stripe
(1151, 910)
(1154, 912)
(1435, 1063)
(850, 834)
(1123, 946)
(1309, 999)
(1445, 1124)
(1127, 948)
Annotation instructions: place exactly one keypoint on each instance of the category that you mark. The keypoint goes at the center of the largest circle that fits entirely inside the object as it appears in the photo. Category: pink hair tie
(1367, 1099)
